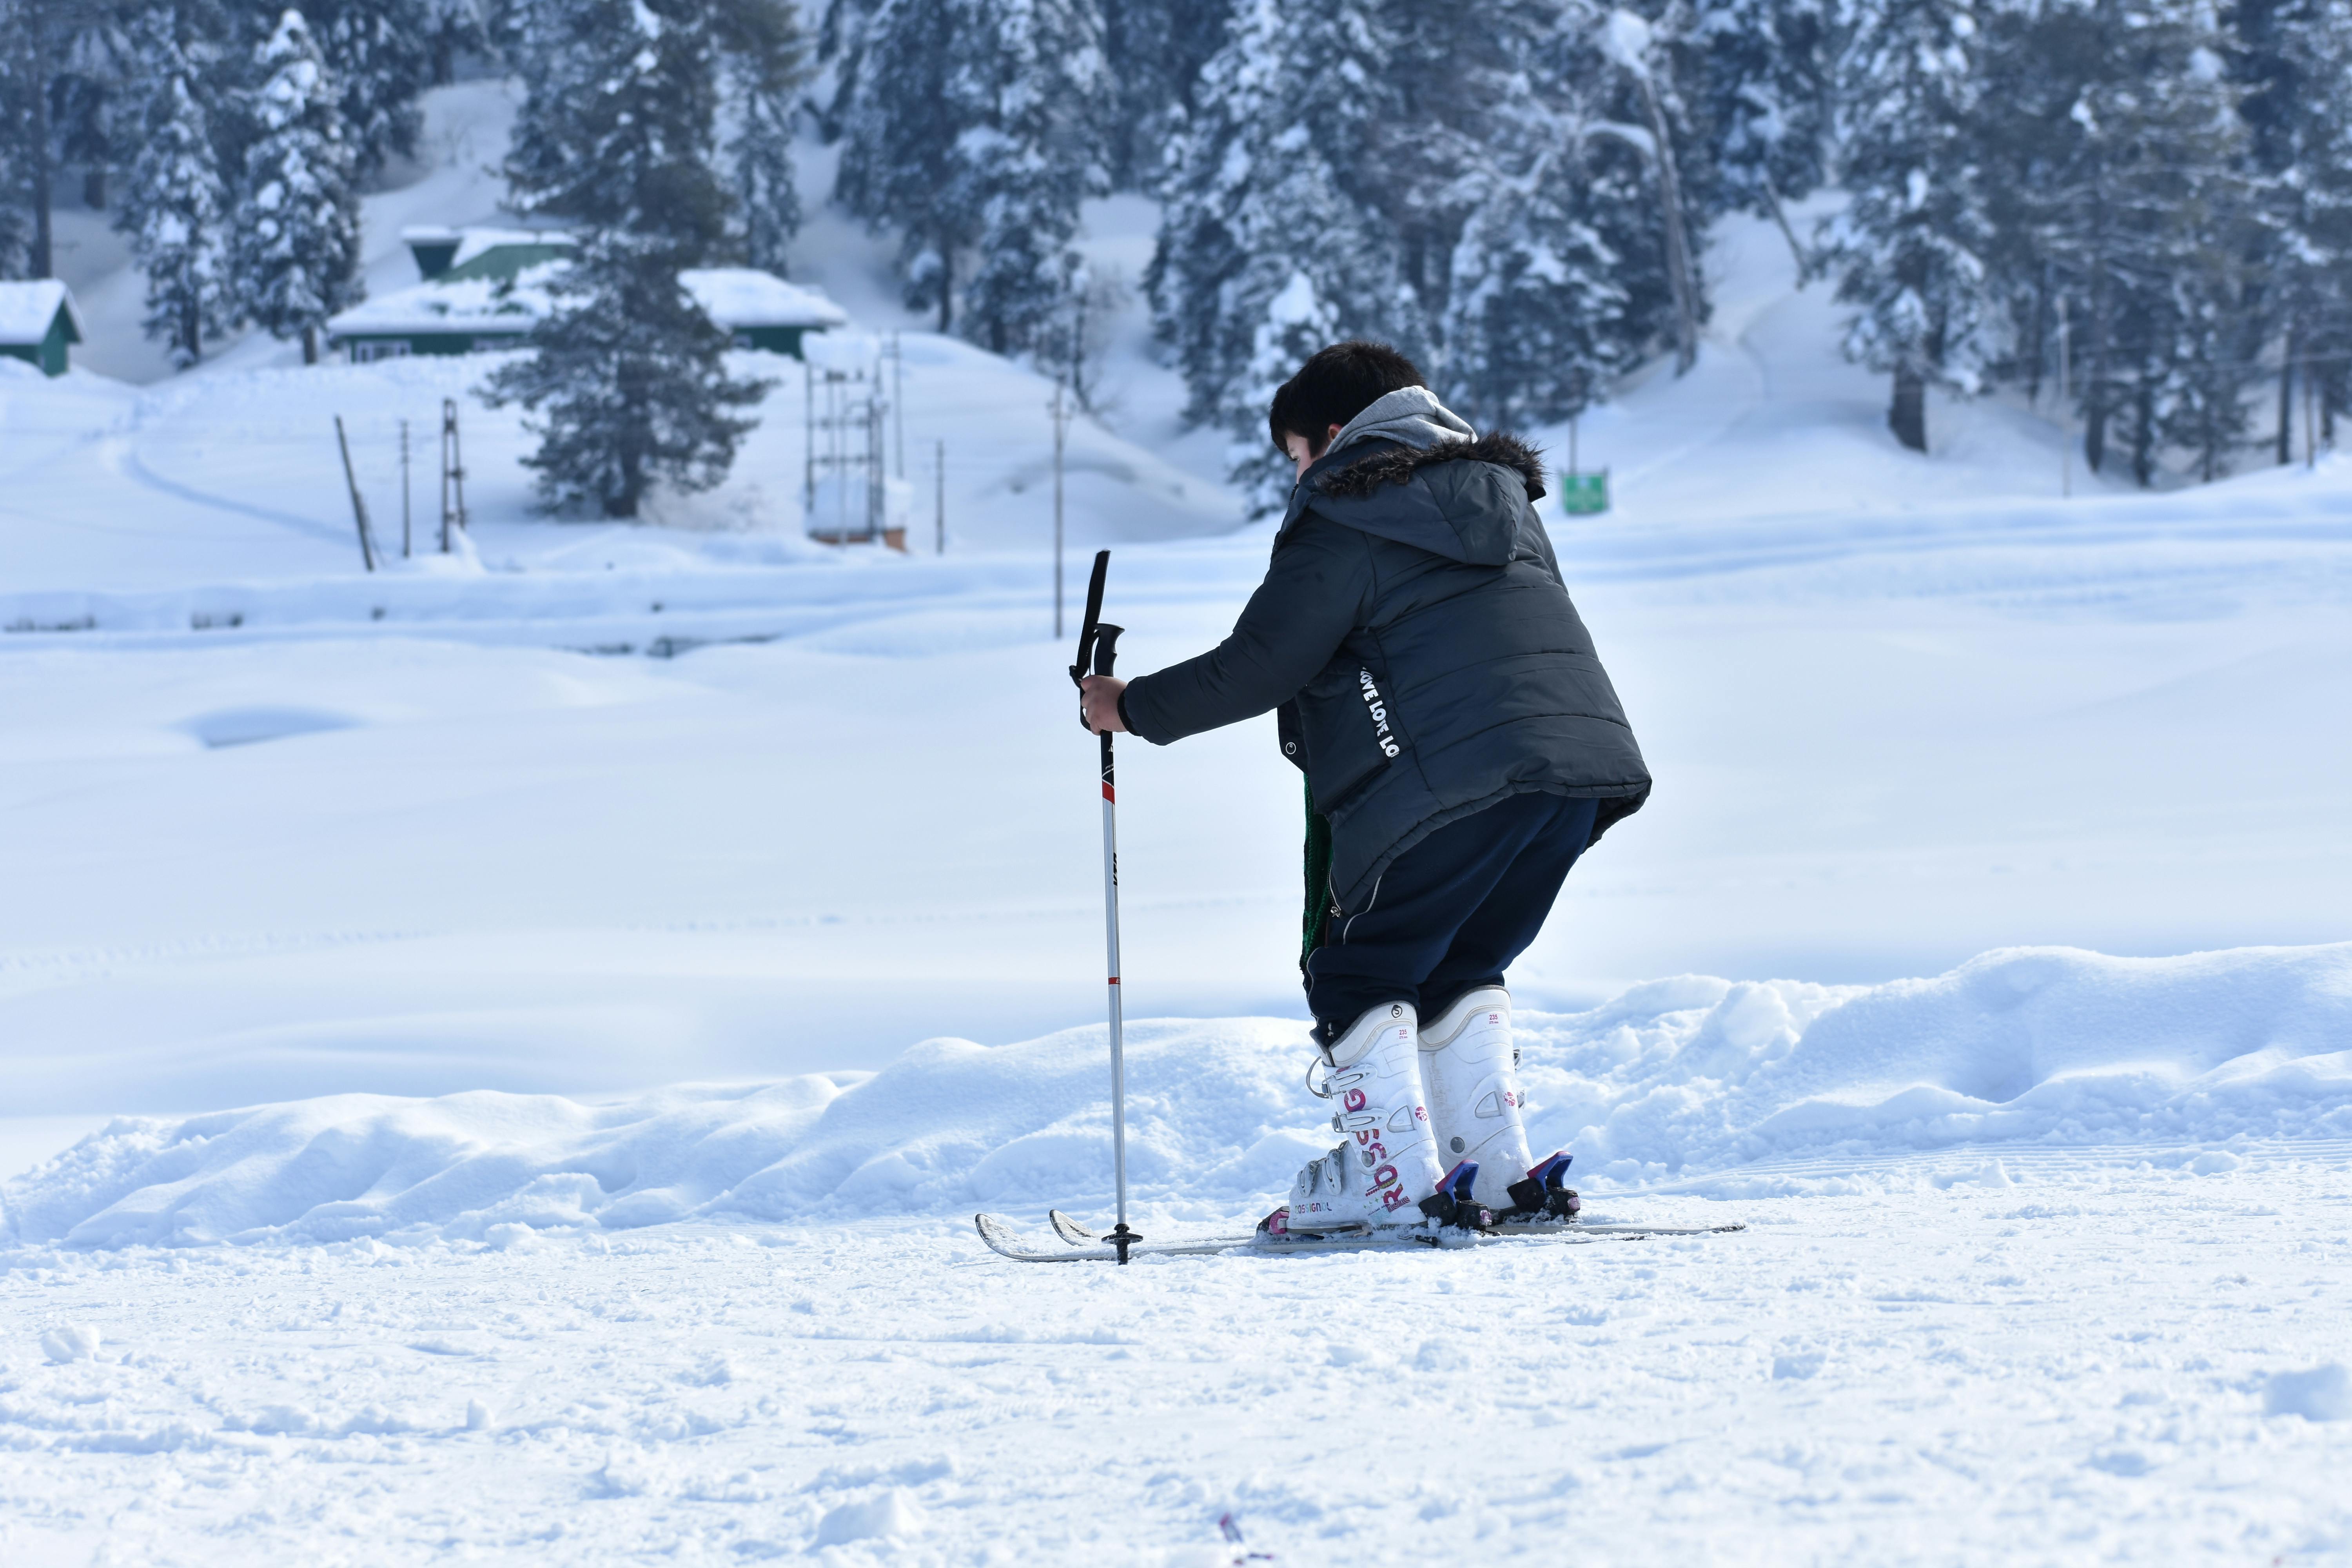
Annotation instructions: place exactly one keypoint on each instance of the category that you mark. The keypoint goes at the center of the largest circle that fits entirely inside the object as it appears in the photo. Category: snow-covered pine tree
(1652, 98)
(1538, 321)
(627, 380)
(1910, 249)
(974, 126)
(16, 159)
(1154, 50)
(1761, 71)
(86, 95)
(1538, 310)
(176, 209)
(1271, 242)
(2119, 190)
(380, 54)
(1476, 185)
(297, 217)
(765, 65)
(2296, 59)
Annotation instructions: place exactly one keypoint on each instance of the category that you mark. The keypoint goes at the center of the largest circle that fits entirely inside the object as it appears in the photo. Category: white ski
(1086, 1246)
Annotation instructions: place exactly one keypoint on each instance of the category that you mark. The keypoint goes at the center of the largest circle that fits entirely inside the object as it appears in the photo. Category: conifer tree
(381, 54)
(176, 209)
(1541, 304)
(766, 63)
(1271, 245)
(1762, 70)
(1910, 250)
(627, 380)
(1154, 51)
(2124, 197)
(296, 218)
(974, 127)
(1472, 185)
(767, 197)
(17, 154)
(2295, 60)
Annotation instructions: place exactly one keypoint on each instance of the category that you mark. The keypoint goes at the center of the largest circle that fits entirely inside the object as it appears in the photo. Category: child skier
(1462, 742)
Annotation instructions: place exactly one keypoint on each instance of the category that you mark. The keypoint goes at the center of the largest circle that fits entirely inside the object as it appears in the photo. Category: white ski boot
(1470, 1066)
(1385, 1172)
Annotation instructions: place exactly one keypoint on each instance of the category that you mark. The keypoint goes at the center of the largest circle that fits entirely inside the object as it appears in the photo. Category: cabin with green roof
(485, 289)
(37, 322)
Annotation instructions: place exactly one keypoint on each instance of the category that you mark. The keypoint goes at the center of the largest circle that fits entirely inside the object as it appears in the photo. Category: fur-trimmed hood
(1395, 464)
(1467, 499)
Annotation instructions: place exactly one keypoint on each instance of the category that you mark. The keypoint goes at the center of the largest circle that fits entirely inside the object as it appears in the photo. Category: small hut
(37, 321)
(486, 289)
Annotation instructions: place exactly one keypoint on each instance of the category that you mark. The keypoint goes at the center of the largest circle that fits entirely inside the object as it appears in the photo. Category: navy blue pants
(1451, 914)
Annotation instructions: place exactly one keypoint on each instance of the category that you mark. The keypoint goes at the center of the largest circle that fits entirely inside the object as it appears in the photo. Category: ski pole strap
(1314, 924)
(1091, 629)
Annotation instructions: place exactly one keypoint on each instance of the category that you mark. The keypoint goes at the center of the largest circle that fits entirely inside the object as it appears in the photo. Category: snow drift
(1689, 1074)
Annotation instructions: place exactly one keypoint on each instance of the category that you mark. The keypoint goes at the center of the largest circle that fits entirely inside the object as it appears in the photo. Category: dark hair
(1335, 385)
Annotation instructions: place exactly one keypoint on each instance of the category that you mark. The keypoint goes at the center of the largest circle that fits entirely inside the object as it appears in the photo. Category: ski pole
(1098, 649)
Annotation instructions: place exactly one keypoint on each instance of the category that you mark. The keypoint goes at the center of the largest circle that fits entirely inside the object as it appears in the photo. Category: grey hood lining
(1411, 416)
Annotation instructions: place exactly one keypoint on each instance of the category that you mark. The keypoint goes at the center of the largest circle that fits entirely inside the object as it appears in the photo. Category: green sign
(1581, 495)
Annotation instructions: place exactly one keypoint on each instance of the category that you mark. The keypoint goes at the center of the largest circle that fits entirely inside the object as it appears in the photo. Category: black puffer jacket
(1414, 629)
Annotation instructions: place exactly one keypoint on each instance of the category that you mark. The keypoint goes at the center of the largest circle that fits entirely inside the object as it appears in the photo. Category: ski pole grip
(1106, 648)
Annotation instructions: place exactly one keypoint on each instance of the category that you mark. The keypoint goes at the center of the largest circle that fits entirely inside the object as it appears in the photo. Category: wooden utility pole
(404, 490)
(898, 406)
(359, 507)
(453, 473)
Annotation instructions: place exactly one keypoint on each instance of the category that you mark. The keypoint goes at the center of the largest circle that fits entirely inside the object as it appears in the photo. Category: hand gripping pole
(1097, 650)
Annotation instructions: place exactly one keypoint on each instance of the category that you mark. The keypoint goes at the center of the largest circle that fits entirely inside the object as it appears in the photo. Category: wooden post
(359, 507)
(456, 460)
(404, 490)
(897, 406)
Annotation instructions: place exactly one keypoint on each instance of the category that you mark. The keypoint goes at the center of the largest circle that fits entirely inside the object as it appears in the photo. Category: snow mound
(2052, 1044)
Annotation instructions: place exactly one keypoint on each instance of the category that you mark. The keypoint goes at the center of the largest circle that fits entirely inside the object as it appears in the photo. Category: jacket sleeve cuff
(1128, 719)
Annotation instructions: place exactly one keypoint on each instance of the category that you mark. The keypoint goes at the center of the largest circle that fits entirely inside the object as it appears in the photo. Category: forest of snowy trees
(2148, 199)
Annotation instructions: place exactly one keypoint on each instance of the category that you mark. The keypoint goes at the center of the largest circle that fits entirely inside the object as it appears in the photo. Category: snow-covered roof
(477, 305)
(26, 310)
(735, 297)
(740, 296)
(474, 242)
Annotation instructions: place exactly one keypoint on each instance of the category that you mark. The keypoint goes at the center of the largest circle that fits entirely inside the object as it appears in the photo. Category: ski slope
(501, 1052)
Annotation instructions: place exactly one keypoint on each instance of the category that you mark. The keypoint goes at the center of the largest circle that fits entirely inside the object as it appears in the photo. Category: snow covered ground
(635, 951)
(2047, 1261)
